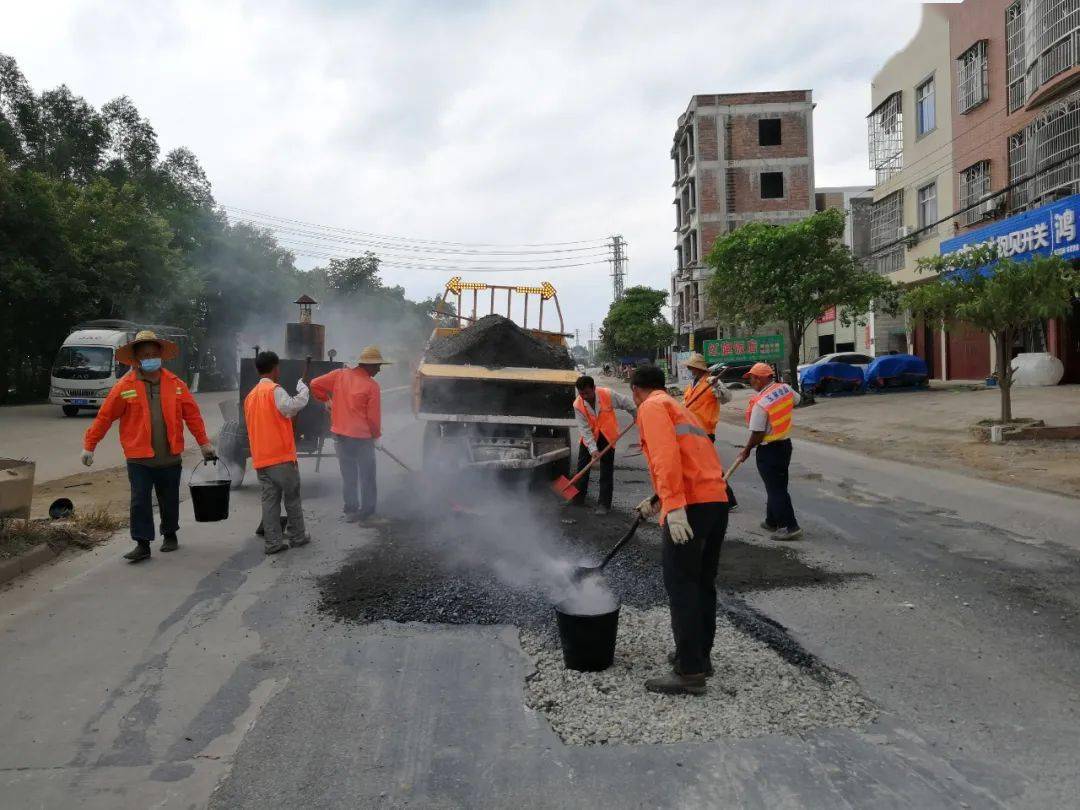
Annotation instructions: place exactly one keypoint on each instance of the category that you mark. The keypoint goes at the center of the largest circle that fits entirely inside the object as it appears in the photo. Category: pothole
(755, 691)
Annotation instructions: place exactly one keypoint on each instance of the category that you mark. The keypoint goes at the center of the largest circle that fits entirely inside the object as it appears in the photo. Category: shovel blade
(563, 488)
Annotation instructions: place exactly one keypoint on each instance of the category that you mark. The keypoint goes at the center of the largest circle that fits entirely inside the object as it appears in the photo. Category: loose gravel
(755, 691)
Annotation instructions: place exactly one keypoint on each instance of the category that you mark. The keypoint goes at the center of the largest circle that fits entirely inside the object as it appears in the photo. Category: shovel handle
(731, 471)
(307, 370)
(395, 458)
(625, 539)
(599, 456)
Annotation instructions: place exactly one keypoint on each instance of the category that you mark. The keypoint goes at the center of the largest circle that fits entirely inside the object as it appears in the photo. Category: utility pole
(577, 337)
(618, 265)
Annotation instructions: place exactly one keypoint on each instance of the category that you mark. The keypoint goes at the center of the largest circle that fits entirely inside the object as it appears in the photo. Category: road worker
(153, 405)
(268, 413)
(768, 416)
(692, 503)
(594, 411)
(356, 422)
(703, 399)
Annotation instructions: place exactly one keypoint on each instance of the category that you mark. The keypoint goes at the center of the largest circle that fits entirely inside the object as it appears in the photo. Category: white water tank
(1037, 369)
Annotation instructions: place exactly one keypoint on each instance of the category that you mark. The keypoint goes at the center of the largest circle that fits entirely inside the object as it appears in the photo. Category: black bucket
(210, 499)
(588, 642)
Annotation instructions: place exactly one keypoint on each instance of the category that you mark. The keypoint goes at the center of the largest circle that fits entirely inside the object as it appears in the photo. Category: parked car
(730, 372)
(847, 358)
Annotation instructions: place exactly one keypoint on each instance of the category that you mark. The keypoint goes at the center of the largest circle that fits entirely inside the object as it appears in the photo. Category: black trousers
(690, 580)
(148, 481)
(773, 460)
(731, 499)
(607, 473)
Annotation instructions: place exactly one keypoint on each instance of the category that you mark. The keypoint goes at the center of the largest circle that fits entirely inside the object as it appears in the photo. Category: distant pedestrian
(356, 422)
(703, 399)
(768, 416)
(153, 405)
(594, 411)
(268, 413)
(691, 499)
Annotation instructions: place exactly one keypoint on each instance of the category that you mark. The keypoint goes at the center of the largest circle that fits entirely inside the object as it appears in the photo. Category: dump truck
(493, 389)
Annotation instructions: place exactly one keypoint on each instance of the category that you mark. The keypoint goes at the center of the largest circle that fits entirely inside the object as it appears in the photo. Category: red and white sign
(828, 316)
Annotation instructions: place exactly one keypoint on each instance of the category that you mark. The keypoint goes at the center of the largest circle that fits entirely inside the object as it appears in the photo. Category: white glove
(648, 507)
(723, 395)
(208, 451)
(378, 443)
(679, 527)
(87, 457)
(301, 386)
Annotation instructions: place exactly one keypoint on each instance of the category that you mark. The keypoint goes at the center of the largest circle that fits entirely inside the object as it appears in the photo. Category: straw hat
(759, 370)
(126, 353)
(371, 356)
(697, 360)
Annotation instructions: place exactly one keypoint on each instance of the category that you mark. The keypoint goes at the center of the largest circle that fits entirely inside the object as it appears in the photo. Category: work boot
(302, 541)
(275, 549)
(601, 511)
(768, 526)
(787, 534)
(676, 684)
(708, 665)
(260, 532)
(170, 543)
(139, 553)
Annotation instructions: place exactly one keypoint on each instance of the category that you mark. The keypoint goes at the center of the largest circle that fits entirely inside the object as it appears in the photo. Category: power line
(334, 247)
(318, 254)
(413, 240)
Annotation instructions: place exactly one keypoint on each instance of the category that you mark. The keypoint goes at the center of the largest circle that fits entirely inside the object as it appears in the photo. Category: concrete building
(910, 140)
(985, 97)
(738, 157)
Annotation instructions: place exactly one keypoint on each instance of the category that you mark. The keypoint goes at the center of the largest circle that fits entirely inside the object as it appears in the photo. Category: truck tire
(232, 446)
(70, 410)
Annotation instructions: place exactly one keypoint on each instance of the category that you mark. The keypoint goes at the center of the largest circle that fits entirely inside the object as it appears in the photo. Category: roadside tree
(999, 296)
(793, 274)
(635, 324)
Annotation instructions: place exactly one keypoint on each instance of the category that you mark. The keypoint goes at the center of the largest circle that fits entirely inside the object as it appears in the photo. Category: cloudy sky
(473, 122)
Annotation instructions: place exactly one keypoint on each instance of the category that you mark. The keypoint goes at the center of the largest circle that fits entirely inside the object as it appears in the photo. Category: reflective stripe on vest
(686, 429)
(778, 400)
(603, 422)
(269, 433)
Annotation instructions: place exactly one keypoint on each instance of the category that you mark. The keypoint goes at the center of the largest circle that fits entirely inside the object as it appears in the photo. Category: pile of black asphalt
(496, 342)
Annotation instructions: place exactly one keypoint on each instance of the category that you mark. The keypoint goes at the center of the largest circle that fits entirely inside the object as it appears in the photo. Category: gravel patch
(754, 691)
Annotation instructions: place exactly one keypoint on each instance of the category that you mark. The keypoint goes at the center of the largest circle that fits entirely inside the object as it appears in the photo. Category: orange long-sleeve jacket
(356, 402)
(683, 464)
(128, 402)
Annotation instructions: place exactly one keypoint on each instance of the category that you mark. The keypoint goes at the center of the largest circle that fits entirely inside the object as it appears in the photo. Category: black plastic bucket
(588, 642)
(210, 499)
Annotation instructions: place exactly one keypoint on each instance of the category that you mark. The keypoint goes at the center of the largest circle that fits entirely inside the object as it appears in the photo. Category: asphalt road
(210, 677)
(53, 441)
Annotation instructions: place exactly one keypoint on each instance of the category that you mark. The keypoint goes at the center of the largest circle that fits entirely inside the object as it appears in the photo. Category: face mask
(150, 364)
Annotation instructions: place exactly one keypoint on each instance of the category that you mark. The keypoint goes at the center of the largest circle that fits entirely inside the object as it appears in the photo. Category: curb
(35, 557)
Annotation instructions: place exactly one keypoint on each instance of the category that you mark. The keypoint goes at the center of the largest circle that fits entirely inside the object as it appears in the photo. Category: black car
(730, 372)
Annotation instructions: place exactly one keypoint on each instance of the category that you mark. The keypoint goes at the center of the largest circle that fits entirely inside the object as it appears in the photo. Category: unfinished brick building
(738, 157)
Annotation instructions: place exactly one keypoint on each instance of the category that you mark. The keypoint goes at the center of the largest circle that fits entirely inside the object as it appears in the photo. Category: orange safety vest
(127, 401)
(704, 406)
(778, 400)
(270, 434)
(604, 422)
(683, 464)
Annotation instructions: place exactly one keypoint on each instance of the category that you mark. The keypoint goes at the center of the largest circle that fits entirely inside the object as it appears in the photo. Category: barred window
(972, 88)
(974, 186)
(886, 217)
(1020, 196)
(886, 135)
(1015, 62)
(891, 261)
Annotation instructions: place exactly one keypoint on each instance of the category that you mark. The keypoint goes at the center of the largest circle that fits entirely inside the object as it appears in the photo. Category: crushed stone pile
(755, 691)
(495, 341)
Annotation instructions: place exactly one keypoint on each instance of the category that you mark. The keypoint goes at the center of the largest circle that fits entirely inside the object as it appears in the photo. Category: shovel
(582, 571)
(564, 487)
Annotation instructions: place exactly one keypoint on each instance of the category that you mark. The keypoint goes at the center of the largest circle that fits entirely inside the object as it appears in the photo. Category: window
(1014, 56)
(925, 120)
(974, 185)
(927, 204)
(971, 84)
(772, 185)
(886, 217)
(768, 132)
(83, 363)
(886, 135)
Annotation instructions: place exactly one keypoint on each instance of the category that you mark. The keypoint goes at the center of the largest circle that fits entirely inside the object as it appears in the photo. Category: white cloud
(490, 122)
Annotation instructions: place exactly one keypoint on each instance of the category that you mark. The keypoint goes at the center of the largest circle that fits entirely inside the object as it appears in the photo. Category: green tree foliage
(999, 296)
(95, 223)
(793, 274)
(635, 326)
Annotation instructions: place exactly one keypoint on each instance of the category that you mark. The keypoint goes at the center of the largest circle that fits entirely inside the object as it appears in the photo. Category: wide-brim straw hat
(371, 356)
(126, 353)
(697, 360)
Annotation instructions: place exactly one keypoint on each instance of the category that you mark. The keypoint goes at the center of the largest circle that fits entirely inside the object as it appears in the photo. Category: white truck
(85, 369)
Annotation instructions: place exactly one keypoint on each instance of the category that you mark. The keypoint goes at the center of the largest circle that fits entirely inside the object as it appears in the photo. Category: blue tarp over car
(832, 378)
(897, 371)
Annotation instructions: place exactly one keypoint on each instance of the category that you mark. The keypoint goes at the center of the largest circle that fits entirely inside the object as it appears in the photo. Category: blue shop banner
(1040, 231)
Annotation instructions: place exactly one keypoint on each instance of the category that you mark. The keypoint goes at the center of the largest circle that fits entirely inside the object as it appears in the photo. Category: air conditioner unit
(987, 209)
(904, 231)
